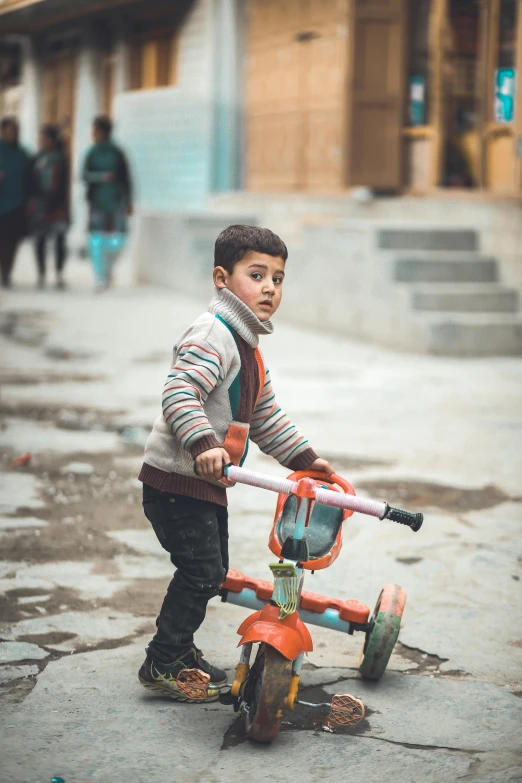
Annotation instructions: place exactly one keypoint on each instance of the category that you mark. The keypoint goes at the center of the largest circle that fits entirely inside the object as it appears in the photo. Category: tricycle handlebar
(374, 508)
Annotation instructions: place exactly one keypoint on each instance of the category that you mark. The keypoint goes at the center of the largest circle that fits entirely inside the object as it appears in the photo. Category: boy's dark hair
(103, 124)
(8, 121)
(235, 242)
(51, 132)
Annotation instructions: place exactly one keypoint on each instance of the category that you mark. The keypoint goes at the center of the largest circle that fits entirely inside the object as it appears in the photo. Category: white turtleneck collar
(239, 316)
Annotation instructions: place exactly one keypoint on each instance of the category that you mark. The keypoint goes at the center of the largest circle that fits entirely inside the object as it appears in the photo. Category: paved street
(82, 575)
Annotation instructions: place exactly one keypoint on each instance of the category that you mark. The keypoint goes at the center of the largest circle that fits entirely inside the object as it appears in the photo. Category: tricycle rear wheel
(266, 692)
(380, 641)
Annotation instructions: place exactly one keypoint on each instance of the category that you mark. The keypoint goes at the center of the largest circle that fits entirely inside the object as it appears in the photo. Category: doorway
(463, 104)
(480, 121)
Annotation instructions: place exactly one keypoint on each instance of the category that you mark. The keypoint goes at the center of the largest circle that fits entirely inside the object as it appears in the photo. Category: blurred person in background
(109, 195)
(49, 202)
(14, 181)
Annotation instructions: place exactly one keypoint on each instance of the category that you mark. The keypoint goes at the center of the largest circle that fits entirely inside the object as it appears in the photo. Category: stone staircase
(454, 293)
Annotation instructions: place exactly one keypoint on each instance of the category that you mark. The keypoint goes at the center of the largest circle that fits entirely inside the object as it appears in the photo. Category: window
(506, 34)
(153, 60)
(10, 64)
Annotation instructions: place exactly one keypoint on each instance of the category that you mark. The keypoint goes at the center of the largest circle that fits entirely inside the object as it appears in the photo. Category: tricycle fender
(289, 636)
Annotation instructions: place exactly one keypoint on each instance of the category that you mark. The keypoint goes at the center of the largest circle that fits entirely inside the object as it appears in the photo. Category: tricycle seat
(324, 533)
(323, 527)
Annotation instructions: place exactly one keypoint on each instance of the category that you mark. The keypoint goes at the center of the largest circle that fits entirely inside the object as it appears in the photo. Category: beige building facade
(335, 122)
(393, 95)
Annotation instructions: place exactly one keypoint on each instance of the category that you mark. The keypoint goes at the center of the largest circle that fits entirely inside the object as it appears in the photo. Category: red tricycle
(306, 536)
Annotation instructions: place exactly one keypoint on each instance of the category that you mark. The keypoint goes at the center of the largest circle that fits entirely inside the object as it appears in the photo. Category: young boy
(217, 395)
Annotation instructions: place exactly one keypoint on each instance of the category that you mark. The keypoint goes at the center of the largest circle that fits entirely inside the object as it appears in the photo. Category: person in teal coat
(109, 195)
(14, 187)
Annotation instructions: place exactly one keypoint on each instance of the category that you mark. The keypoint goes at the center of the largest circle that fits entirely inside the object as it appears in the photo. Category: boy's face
(257, 280)
(98, 135)
(10, 133)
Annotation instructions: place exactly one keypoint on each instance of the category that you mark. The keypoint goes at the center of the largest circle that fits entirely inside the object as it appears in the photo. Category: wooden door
(376, 110)
(273, 107)
(107, 85)
(57, 94)
(295, 87)
(107, 57)
(324, 91)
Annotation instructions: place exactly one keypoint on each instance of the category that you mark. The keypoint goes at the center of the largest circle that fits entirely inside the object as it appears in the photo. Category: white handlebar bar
(327, 497)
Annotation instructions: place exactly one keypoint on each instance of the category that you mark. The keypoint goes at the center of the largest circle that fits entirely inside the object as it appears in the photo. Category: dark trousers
(12, 228)
(59, 250)
(195, 534)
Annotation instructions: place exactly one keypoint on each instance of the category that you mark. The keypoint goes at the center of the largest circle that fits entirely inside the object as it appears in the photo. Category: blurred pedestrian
(49, 202)
(14, 180)
(109, 194)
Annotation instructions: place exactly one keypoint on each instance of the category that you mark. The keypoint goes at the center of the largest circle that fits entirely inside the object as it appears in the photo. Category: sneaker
(217, 676)
(163, 676)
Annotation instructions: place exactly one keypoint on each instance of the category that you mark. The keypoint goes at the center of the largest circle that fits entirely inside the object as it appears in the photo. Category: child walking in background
(218, 394)
(109, 195)
(49, 202)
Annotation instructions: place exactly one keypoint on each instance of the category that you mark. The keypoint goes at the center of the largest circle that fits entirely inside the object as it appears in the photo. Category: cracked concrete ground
(82, 575)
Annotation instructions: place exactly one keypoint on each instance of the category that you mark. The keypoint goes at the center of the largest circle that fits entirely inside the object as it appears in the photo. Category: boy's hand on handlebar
(323, 466)
(209, 464)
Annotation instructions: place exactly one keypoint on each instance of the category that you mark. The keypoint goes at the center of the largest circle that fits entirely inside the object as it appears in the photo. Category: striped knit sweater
(212, 391)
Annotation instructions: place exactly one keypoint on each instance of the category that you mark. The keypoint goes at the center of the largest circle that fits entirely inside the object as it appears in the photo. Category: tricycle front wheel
(266, 692)
(380, 641)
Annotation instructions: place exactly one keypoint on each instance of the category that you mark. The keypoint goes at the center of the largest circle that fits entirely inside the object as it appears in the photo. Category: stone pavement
(82, 575)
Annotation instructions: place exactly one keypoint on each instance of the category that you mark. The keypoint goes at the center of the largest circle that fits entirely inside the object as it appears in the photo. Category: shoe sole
(152, 686)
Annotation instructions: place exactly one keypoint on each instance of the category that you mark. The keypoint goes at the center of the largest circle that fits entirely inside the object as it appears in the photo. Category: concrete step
(445, 268)
(474, 334)
(465, 297)
(427, 239)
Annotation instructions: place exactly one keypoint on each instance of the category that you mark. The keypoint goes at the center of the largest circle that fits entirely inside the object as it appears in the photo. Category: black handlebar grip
(405, 518)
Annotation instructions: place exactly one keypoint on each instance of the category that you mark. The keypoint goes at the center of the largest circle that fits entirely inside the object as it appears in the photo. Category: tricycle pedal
(226, 697)
(346, 710)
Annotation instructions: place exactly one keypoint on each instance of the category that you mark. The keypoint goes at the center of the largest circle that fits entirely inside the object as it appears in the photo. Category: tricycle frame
(282, 609)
